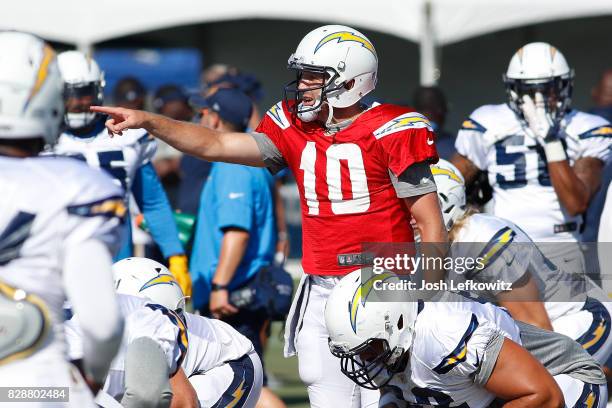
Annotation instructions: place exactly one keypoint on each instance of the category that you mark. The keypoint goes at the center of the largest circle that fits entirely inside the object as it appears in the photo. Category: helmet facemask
(556, 91)
(372, 364)
(294, 93)
(84, 117)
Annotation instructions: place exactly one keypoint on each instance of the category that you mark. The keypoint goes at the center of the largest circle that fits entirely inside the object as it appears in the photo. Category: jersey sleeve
(152, 200)
(470, 142)
(234, 197)
(405, 140)
(461, 347)
(597, 141)
(272, 125)
(148, 147)
(163, 326)
(96, 211)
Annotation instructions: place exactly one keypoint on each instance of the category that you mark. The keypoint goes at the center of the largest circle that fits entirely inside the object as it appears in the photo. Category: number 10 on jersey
(333, 178)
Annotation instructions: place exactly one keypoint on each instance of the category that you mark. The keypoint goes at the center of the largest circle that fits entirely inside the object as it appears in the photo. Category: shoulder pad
(402, 122)
(277, 114)
(488, 117)
(585, 125)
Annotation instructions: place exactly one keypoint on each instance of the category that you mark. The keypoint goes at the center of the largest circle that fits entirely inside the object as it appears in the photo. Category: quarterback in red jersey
(362, 173)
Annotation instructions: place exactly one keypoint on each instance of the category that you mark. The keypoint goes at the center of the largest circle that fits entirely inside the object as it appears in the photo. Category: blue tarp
(153, 67)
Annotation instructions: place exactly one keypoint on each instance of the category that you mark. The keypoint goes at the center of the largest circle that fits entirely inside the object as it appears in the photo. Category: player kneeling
(455, 353)
(221, 363)
(146, 372)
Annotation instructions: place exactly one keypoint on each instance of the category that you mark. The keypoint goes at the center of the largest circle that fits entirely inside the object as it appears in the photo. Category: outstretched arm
(187, 137)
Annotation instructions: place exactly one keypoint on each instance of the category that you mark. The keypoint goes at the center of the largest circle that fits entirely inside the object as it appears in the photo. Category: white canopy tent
(432, 23)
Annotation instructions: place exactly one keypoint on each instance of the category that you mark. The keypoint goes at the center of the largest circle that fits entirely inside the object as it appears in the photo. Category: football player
(454, 352)
(544, 159)
(127, 160)
(59, 220)
(221, 364)
(362, 172)
(541, 294)
(146, 372)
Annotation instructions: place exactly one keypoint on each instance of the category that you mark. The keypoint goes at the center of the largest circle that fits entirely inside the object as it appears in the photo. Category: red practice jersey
(346, 193)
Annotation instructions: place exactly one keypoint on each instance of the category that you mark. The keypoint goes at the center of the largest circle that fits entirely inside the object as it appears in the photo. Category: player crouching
(455, 353)
(221, 364)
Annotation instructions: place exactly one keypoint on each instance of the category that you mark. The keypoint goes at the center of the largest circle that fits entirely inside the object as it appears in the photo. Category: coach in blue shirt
(236, 231)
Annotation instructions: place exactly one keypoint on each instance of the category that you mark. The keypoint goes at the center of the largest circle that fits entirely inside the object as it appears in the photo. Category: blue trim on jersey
(239, 390)
(459, 354)
(595, 337)
(14, 236)
(153, 202)
(589, 398)
(182, 339)
(599, 131)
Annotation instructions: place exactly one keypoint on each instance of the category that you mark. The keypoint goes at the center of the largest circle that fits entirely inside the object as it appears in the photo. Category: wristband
(216, 287)
(554, 151)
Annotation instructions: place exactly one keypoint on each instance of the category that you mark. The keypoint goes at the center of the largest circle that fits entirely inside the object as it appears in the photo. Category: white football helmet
(31, 103)
(342, 54)
(540, 67)
(146, 278)
(370, 337)
(82, 78)
(451, 191)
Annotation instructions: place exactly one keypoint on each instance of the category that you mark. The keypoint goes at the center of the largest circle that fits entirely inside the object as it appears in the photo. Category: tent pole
(429, 71)
(85, 48)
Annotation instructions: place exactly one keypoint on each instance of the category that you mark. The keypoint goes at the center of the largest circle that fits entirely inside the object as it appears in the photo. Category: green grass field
(286, 381)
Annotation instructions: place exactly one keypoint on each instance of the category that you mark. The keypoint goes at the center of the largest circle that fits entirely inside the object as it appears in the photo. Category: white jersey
(142, 319)
(211, 344)
(494, 140)
(120, 156)
(447, 351)
(47, 206)
(508, 254)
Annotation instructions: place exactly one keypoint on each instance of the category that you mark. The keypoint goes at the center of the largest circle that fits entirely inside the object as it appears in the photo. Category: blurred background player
(127, 160)
(147, 371)
(235, 235)
(129, 93)
(221, 364)
(454, 352)
(322, 122)
(431, 102)
(59, 223)
(544, 160)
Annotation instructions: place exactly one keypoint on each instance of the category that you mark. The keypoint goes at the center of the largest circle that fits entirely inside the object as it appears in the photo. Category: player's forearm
(187, 137)
(233, 247)
(573, 194)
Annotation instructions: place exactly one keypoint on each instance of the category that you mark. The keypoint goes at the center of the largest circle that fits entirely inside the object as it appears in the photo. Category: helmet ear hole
(400, 322)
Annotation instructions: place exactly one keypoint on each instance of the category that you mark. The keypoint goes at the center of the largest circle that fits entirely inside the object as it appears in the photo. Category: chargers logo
(435, 170)
(162, 279)
(601, 131)
(496, 245)
(110, 207)
(43, 72)
(471, 124)
(346, 36)
(361, 295)
(459, 354)
(237, 394)
(278, 116)
(405, 121)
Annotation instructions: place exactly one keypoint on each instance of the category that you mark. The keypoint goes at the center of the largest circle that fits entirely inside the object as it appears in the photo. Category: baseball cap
(128, 89)
(168, 93)
(232, 105)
